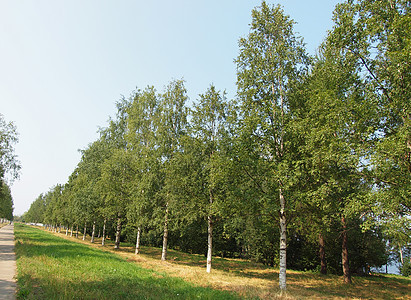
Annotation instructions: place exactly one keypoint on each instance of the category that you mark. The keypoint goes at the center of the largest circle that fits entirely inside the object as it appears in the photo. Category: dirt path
(7, 263)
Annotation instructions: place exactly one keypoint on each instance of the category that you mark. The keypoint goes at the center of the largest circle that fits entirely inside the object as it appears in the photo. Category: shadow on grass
(198, 260)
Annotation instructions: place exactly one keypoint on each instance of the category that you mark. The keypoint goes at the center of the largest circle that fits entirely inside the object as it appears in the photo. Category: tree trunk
(77, 232)
(93, 232)
(118, 233)
(66, 231)
(71, 231)
(99, 232)
(345, 264)
(60, 228)
(401, 255)
(283, 244)
(321, 242)
(85, 231)
(138, 240)
(165, 235)
(103, 239)
(210, 243)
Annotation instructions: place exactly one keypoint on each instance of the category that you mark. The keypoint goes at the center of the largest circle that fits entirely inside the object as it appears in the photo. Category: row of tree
(9, 167)
(313, 153)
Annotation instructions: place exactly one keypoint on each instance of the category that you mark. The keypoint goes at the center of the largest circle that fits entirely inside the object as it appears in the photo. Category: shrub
(405, 269)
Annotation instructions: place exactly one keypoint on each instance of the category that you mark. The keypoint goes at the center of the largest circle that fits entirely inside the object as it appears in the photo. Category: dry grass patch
(3, 224)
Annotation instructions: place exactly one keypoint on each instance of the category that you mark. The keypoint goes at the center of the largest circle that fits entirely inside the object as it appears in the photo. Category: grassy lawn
(51, 266)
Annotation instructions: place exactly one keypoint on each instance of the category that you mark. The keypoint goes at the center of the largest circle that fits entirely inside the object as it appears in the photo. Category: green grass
(50, 267)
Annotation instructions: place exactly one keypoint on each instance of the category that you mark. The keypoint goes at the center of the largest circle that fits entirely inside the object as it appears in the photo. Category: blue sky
(63, 65)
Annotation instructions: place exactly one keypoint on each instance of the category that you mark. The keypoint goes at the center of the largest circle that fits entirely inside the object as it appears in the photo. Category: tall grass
(50, 267)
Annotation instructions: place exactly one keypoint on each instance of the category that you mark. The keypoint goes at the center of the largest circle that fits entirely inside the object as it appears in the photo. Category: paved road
(7, 263)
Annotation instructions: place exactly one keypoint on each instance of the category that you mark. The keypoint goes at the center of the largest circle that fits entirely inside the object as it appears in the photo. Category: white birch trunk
(103, 240)
(283, 224)
(401, 255)
(71, 231)
(93, 232)
(85, 230)
(165, 235)
(138, 240)
(283, 244)
(118, 233)
(210, 243)
(66, 231)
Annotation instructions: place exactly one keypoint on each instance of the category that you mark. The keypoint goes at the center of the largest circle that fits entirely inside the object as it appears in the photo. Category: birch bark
(85, 231)
(118, 233)
(165, 235)
(210, 243)
(345, 263)
(283, 244)
(138, 240)
(93, 231)
(103, 239)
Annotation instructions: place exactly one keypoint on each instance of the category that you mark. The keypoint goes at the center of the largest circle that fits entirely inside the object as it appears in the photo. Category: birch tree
(372, 38)
(171, 127)
(6, 202)
(141, 138)
(9, 163)
(117, 169)
(271, 58)
(377, 35)
(199, 174)
(89, 172)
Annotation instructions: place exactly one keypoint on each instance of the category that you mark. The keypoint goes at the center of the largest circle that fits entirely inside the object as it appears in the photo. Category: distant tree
(8, 159)
(52, 214)
(35, 214)
(6, 202)
(89, 173)
(116, 179)
(116, 170)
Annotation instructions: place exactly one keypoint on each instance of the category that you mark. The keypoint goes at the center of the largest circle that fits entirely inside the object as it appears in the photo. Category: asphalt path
(7, 263)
